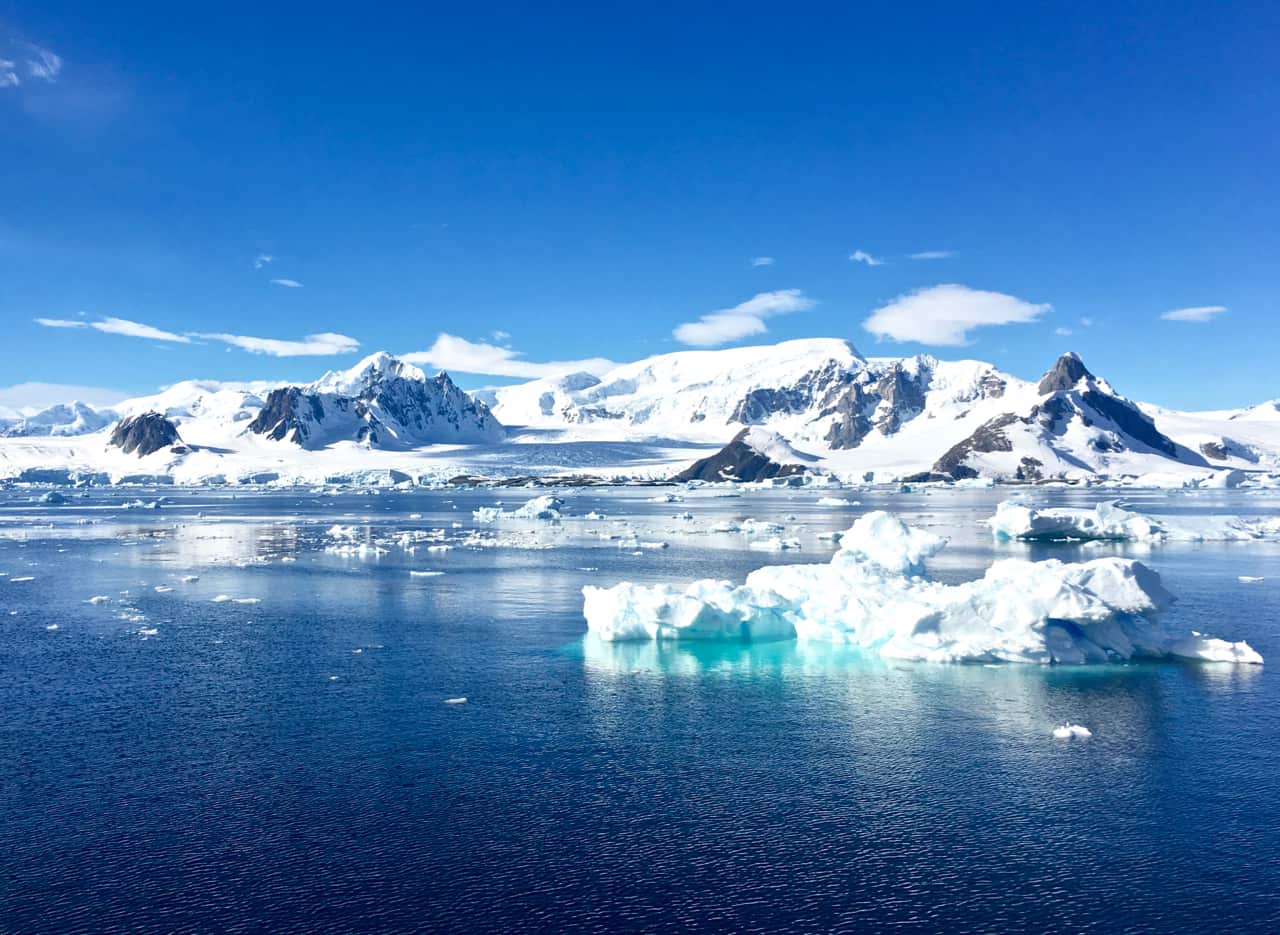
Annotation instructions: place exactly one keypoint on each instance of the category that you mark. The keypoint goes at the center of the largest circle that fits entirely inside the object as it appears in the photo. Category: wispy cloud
(932, 255)
(313, 345)
(1199, 313)
(122, 326)
(741, 321)
(33, 63)
(1062, 332)
(502, 336)
(262, 259)
(762, 261)
(43, 64)
(861, 256)
(1086, 322)
(459, 355)
(288, 283)
(944, 315)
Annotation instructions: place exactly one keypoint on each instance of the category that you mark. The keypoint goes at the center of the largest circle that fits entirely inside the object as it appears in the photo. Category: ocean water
(169, 762)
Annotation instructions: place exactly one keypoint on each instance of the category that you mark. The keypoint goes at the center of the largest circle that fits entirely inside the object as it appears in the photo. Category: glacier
(874, 595)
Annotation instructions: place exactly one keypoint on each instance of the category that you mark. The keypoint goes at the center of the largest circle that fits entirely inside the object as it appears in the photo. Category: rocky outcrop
(145, 434)
(381, 403)
(746, 458)
(1066, 373)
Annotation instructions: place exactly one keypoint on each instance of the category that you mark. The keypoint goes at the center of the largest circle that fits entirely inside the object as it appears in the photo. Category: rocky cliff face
(145, 434)
(752, 455)
(1077, 418)
(382, 403)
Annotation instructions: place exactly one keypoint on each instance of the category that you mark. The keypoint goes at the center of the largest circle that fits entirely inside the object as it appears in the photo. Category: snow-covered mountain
(382, 403)
(860, 418)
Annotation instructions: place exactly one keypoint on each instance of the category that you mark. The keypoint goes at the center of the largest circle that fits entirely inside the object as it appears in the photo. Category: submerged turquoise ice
(172, 761)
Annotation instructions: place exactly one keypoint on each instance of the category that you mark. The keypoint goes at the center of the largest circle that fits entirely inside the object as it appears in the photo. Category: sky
(269, 191)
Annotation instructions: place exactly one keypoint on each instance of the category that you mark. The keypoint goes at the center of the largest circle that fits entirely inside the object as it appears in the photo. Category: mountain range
(864, 419)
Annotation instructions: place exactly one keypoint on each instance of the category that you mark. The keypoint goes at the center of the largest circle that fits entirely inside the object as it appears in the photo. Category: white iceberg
(546, 508)
(1071, 731)
(1110, 521)
(874, 596)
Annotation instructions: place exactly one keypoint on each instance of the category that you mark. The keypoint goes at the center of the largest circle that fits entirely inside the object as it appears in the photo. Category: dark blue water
(242, 768)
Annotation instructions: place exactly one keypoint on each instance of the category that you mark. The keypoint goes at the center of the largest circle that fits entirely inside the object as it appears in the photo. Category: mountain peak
(1066, 373)
(373, 369)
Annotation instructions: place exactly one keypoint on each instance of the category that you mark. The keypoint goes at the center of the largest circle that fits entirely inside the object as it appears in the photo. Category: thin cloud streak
(1196, 313)
(121, 326)
(323, 344)
(743, 320)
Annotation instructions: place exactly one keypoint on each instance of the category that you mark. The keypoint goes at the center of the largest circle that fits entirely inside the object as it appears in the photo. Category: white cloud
(944, 315)
(1062, 332)
(861, 256)
(459, 355)
(287, 283)
(262, 259)
(30, 397)
(1086, 322)
(932, 255)
(762, 261)
(1195, 313)
(44, 64)
(313, 345)
(122, 326)
(741, 321)
(502, 336)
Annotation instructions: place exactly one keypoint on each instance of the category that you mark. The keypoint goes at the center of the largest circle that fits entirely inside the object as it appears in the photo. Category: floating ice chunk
(836, 501)
(665, 498)
(162, 589)
(190, 579)
(653, 545)
(890, 543)
(413, 573)
(487, 514)
(144, 632)
(52, 626)
(23, 578)
(872, 596)
(756, 527)
(248, 600)
(1070, 731)
(1109, 521)
(1249, 579)
(460, 700)
(774, 544)
(99, 599)
(545, 508)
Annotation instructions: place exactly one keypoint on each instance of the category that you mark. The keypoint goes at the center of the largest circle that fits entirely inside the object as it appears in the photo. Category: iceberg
(1110, 521)
(874, 596)
(545, 508)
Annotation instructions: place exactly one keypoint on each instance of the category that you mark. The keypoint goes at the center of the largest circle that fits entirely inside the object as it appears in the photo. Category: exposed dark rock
(989, 436)
(1030, 469)
(1214, 450)
(281, 418)
(144, 434)
(738, 461)
(1131, 420)
(904, 394)
(1066, 373)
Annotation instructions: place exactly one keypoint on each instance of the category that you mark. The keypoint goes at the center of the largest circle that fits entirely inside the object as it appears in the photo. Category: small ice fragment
(1249, 579)
(1070, 731)
(52, 626)
(99, 599)
(162, 589)
(425, 574)
(188, 579)
(248, 600)
(147, 631)
(24, 578)
(223, 599)
(461, 700)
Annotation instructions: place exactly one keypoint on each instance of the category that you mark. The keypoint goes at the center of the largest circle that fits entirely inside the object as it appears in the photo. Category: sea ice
(874, 595)
(461, 700)
(1109, 521)
(1069, 731)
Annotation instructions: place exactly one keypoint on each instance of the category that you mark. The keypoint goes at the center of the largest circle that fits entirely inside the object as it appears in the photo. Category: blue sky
(561, 182)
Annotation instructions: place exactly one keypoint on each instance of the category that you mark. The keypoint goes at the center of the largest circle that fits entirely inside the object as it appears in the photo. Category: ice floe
(1071, 731)
(1110, 521)
(874, 595)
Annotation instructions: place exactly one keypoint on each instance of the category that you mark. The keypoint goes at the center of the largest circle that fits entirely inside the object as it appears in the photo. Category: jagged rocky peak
(145, 434)
(1065, 374)
(382, 402)
(753, 454)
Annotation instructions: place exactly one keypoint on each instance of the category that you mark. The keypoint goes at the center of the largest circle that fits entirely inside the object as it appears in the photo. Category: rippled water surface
(169, 762)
